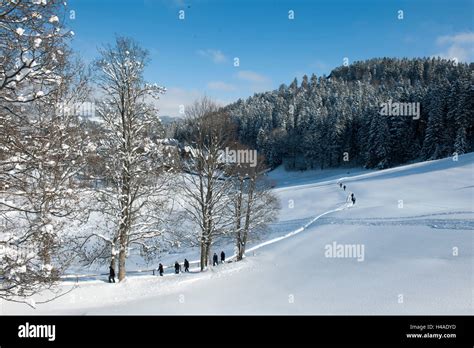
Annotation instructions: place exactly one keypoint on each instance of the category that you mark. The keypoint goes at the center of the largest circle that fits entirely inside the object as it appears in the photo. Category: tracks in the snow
(448, 224)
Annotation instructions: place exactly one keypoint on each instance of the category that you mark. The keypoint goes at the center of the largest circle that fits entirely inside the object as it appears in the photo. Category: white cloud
(252, 76)
(221, 86)
(456, 39)
(459, 46)
(170, 103)
(215, 55)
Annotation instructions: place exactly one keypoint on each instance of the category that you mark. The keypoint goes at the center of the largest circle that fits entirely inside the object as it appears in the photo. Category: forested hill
(338, 120)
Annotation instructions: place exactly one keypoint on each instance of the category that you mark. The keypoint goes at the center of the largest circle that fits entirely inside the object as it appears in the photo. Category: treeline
(336, 120)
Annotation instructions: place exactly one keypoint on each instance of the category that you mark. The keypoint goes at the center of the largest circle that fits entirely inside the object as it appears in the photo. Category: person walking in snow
(344, 187)
(111, 275)
(215, 260)
(353, 199)
(186, 265)
(222, 256)
(340, 184)
(177, 267)
(160, 269)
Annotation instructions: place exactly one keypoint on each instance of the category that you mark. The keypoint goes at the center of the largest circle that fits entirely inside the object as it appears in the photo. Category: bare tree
(42, 150)
(204, 183)
(133, 158)
(253, 205)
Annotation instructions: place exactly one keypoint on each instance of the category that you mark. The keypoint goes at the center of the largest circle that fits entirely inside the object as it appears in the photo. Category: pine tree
(464, 114)
(378, 142)
(434, 144)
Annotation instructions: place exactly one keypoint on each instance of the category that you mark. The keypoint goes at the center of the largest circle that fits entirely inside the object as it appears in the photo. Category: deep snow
(408, 219)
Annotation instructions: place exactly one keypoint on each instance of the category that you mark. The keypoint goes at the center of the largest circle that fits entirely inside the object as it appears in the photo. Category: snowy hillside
(412, 228)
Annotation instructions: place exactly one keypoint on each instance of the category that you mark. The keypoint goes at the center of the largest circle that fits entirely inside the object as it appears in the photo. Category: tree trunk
(125, 223)
(123, 234)
(240, 250)
(238, 223)
(122, 258)
(248, 212)
(46, 238)
(203, 254)
(46, 249)
(209, 256)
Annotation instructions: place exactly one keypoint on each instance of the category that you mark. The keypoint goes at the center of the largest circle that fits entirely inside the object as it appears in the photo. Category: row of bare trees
(223, 196)
(48, 156)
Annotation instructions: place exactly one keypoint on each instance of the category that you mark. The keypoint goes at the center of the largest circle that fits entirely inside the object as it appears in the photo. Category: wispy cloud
(461, 38)
(215, 55)
(221, 86)
(459, 46)
(175, 98)
(252, 76)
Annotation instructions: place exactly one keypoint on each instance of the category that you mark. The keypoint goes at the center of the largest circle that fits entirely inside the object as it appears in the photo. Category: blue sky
(195, 56)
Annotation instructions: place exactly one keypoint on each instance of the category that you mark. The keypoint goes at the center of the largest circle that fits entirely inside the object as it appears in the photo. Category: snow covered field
(412, 227)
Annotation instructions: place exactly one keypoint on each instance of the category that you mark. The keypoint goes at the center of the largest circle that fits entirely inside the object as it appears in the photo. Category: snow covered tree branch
(135, 168)
(205, 184)
(41, 158)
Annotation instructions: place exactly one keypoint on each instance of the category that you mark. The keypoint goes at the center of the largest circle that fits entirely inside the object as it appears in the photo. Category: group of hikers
(351, 197)
(177, 267)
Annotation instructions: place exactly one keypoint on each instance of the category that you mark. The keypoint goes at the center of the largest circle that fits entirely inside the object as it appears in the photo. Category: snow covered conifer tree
(378, 142)
(434, 143)
(464, 114)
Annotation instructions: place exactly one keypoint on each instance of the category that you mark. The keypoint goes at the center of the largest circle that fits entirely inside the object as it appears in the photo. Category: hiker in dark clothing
(160, 269)
(353, 199)
(111, 275)
(340, 184)
(215, 260)
(186, 265)
(344, 187)
(177, 267)
(222, 257)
